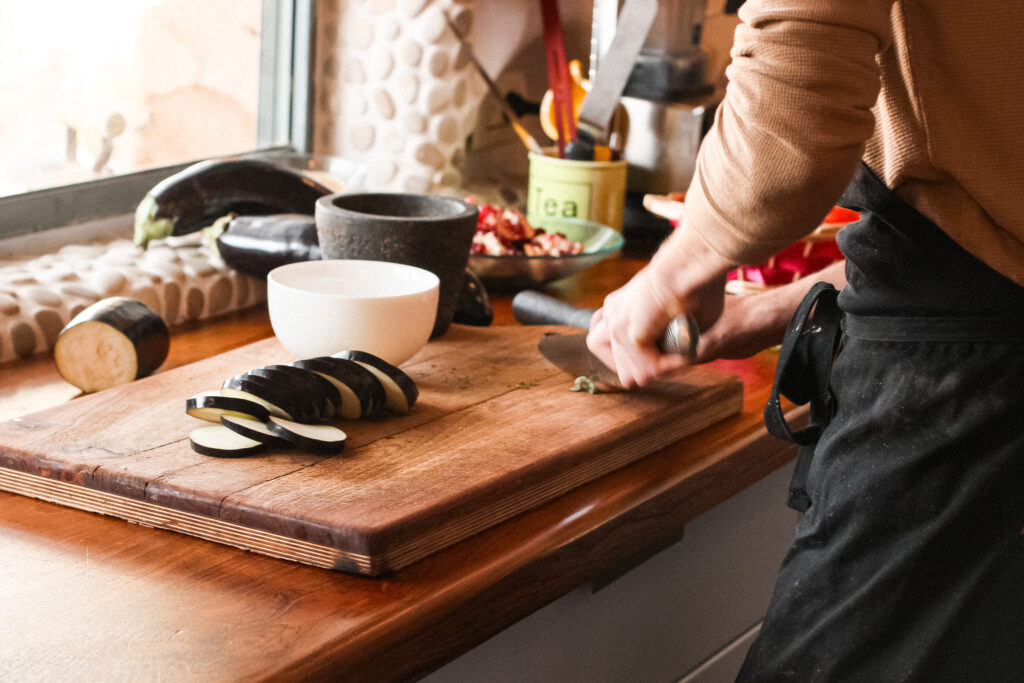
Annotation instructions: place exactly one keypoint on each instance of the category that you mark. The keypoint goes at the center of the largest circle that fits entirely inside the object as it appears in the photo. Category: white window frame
(284, 119)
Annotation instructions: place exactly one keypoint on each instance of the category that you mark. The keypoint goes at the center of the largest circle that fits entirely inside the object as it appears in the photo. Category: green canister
(565, 188)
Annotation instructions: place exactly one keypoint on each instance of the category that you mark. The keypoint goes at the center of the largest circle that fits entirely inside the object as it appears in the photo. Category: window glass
(94, 90)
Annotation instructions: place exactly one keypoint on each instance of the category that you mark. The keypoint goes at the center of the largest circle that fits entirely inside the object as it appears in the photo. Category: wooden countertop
(87, 597)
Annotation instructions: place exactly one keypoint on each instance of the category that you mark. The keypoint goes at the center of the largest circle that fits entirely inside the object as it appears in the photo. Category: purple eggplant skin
(196, 196)
(255, 245)
(474, 305)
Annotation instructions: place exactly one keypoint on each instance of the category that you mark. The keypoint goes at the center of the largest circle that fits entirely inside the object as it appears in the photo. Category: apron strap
(805, 365)
(932, 329)
(802, 375)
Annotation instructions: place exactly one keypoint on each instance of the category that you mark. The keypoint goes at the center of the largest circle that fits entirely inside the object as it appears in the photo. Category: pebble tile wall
(396, 90)
(176, 277)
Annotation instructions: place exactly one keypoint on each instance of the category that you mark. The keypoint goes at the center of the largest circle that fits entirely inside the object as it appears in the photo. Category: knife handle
(533, 308)
(681, 336)
(583, 148)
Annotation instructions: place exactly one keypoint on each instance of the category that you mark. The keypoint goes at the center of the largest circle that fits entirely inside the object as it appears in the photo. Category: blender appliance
(670, 105)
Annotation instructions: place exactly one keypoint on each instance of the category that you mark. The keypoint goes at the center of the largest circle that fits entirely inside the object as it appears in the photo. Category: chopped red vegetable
(506, 232)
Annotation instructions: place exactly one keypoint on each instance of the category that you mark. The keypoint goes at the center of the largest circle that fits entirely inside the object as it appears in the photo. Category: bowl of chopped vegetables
(508, 252)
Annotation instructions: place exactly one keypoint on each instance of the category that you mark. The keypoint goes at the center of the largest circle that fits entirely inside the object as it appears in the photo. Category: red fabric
(799, 259)
(796, 260)
(790, 264)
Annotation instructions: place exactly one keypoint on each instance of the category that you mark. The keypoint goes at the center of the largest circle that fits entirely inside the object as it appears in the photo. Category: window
(114, 95)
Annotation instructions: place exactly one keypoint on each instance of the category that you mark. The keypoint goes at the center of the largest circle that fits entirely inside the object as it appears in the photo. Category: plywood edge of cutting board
(200, 526)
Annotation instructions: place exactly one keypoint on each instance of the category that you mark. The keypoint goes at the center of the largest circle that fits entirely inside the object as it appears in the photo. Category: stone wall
(394, 89)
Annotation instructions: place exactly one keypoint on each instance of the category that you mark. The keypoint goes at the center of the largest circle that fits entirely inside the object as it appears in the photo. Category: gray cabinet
(686, 614)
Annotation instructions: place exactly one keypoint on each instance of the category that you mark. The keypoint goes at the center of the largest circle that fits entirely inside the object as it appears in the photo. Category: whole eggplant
(255, 245)
(193, 198)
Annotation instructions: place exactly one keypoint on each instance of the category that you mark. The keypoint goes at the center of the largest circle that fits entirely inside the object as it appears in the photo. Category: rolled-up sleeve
(793, 125)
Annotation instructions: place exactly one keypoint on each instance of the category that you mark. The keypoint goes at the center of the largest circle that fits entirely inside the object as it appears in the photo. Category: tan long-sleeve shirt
(929, 93)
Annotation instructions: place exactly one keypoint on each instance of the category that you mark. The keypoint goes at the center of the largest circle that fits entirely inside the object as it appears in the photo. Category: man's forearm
(752, 323)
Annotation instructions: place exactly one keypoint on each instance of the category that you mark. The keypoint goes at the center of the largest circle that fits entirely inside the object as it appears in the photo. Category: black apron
(908, 562)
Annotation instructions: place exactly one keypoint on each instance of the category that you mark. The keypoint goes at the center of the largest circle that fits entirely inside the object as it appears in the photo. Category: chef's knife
(634, 22)
(569, 351)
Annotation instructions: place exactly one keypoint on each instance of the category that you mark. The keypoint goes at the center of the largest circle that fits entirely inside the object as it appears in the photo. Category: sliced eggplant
(112, 342)
(299, 404)
(212, 405)
(257, 430)
(255, 245)
(272, 408)
(305, 382)
(195, 197)
(272, 393)
(295, 406)
(362, 394)
(319, 438)
(221, 442)
(399, 389)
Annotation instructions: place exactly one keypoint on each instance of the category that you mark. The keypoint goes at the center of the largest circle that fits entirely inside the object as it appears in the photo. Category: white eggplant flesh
(220, 442)
(212, 405)
(257, 430)
(318, 438)
(272, 408)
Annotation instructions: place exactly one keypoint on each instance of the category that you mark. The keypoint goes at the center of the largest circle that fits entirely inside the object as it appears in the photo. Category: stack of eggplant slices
(295, 406)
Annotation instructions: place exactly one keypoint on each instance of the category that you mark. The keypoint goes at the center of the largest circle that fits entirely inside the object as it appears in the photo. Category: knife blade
(613, 72)
(570, 354)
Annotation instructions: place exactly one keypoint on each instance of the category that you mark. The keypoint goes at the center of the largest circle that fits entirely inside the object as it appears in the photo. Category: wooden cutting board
(495, 432)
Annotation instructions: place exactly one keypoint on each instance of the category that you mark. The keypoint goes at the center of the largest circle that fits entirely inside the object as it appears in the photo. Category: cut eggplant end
(113, 341)
(319, 438)
(399, 389)
(211, 406)
(257, 430)
(94, 356)
(220, 442)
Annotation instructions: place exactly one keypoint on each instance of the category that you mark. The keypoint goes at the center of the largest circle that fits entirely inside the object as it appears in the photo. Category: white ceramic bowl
(318, 308)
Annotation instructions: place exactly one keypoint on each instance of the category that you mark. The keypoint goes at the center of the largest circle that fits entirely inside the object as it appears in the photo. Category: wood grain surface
(495, 431)
(88, 597)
